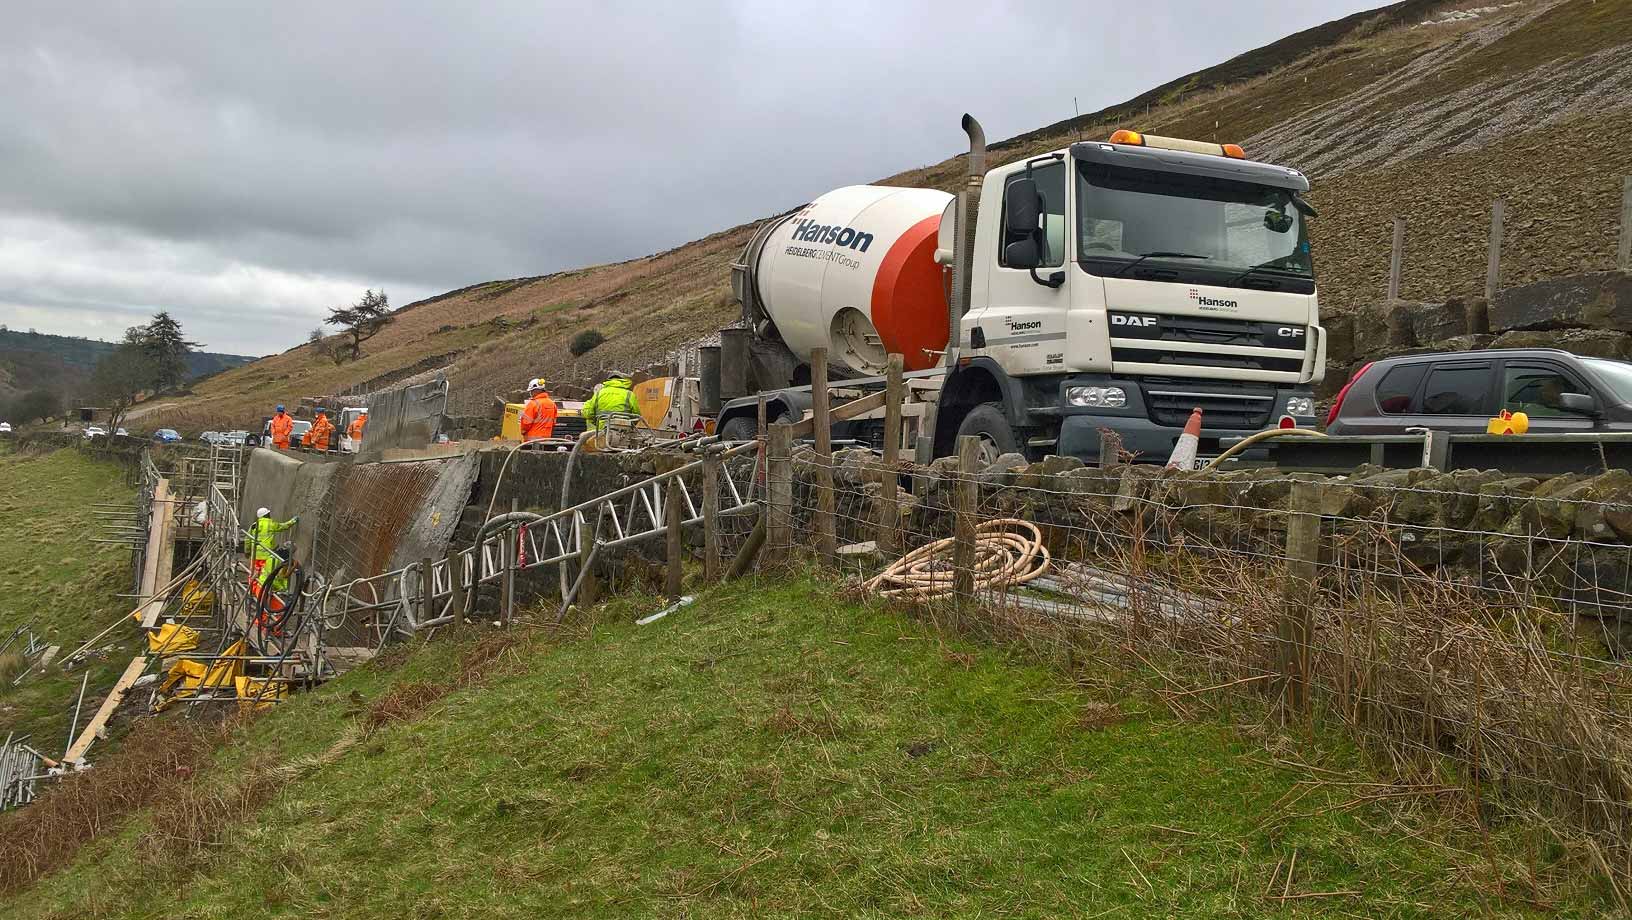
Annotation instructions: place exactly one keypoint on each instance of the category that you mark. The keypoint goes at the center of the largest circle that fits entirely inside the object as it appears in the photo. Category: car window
(1534, 389)
(1397, 391)
(1457, 390)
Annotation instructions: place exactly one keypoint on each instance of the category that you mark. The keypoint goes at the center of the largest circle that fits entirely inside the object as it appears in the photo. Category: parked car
(94, 431)
(1461, 391)
(234, 437)
(122, 433)
(5, 428)
(210, 437)
(164, 435)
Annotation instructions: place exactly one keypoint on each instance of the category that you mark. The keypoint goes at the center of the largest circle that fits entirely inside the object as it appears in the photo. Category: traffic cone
(1184, 452)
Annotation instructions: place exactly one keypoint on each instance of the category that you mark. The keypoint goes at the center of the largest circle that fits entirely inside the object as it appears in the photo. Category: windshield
(1125, 214)
(1616, 376)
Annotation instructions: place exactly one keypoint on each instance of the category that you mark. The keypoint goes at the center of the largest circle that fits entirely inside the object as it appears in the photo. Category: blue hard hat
(280, 407)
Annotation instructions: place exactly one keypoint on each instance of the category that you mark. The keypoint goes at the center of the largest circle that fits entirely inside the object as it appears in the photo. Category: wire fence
(1474, 622)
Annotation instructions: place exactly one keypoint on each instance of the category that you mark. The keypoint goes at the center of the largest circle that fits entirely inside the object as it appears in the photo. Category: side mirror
(1022, 254)
(1022, 209)
(1277, 221)
(1578, 402)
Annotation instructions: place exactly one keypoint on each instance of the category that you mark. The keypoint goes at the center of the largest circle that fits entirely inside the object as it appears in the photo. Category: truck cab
(1119, 285)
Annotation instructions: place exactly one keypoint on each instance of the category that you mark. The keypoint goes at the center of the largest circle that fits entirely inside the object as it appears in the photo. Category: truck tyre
(987, 422)
(741, 428)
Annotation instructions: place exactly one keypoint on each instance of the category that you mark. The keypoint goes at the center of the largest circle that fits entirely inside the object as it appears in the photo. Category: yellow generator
(569, 420)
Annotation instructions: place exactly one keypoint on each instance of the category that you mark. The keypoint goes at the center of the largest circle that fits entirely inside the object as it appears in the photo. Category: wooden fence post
(889, 507)
(967, 496)
(779, 493)
(1296, 630)
(1110, 448)
(589, 589)
(711, 514)
(457, 587)
(1396, 260)
(675, 551)
(1624, 257)
(827, 544)
(1493, 261)
(427, 588)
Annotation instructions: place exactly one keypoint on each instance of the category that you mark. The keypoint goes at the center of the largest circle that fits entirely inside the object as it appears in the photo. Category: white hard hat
(537, 383)
(262, 512)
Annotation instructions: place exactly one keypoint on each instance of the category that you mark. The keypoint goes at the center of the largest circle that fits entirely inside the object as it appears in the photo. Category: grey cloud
(305, 149)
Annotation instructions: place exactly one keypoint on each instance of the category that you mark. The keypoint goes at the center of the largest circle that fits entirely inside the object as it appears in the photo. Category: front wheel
(741, 428)
(987, 422)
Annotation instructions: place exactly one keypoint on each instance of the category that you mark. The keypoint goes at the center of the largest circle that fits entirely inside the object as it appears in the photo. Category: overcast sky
(246, 166)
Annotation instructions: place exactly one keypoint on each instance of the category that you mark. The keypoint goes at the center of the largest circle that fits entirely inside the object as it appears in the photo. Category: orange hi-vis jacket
(356, 431)
(538, 418)
(317, 437)
(282, 425)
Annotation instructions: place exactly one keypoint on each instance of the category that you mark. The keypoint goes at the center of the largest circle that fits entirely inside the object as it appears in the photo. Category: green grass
(772, 751)
(53, 576)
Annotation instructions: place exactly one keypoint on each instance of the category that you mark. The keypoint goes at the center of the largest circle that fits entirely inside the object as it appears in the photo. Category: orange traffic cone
(1184, 452)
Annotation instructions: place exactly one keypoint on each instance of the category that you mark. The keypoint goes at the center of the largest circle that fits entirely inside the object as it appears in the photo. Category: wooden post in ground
(589, 587)
(1110, 448)
(966, 498)
(1624, 257)
(1295, 631)
(779, 494)
(1396, 260)
(889, 507)
(1493, 260)
(711, 514)
(674, 550)
(427, 590)
(456, 587)
(827, 543)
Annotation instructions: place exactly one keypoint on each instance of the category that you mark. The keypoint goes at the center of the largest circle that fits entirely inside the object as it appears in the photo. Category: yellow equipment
(1508, 423)
(172, 639)
(187, 677)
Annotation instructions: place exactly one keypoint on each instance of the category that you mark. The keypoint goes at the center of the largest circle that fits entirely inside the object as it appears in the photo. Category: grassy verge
(773, 751)
(54, 577)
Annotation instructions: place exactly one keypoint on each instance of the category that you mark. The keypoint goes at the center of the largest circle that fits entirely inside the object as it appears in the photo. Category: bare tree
(359, 322)
(119, 380)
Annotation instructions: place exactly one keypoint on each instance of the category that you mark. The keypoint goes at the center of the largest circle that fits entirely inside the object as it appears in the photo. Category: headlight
(1098, 397)
(1300, 405)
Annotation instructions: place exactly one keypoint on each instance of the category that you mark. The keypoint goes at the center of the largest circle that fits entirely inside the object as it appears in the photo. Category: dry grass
(153, 765)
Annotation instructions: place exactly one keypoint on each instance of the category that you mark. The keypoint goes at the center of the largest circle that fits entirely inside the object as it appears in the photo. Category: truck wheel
(741, 428)
(987, 422)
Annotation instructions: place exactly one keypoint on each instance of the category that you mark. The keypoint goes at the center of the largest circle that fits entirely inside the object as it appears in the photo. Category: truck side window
(1457, 390)
(1398, 389)
(1534, 390)
(1051, 187)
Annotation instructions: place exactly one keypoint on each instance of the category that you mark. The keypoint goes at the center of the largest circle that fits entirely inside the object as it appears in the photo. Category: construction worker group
(612, 398)
(280, 428)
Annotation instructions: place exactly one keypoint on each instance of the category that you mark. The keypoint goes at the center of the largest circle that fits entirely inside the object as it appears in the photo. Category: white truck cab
(1121, 284)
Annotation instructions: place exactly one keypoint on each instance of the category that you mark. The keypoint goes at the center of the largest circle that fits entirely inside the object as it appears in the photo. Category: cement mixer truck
(1113, 285)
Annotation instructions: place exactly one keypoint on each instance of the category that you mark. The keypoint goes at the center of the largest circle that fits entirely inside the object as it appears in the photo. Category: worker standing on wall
(259, 542)
(538, 416)
(356, 431)
(317, 436)
(614, 397)
(282, 425)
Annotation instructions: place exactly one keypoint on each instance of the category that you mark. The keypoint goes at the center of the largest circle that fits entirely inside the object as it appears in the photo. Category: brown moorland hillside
(1420, 109)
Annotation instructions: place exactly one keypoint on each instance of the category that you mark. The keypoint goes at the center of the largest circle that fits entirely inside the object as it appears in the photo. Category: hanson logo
(1206, 301)
(808, 231)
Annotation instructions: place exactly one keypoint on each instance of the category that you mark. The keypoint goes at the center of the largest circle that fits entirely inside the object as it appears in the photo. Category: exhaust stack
(963, 262)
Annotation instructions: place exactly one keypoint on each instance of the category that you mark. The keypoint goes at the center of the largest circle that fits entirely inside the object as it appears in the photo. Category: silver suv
(1461, 391)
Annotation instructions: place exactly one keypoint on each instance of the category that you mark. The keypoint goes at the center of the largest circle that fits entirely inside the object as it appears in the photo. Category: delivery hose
(1252, 439)
(1008, 552)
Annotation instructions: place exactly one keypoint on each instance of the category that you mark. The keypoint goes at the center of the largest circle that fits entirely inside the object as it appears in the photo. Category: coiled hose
(1008, 552)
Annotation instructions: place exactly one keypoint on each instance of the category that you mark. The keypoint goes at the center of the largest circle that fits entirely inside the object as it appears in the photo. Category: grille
(1172, 407)
(1206, 330)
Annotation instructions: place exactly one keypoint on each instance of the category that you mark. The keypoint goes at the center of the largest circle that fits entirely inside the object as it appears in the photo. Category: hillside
(31, 360)
(769, 752)
(1422, 110)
